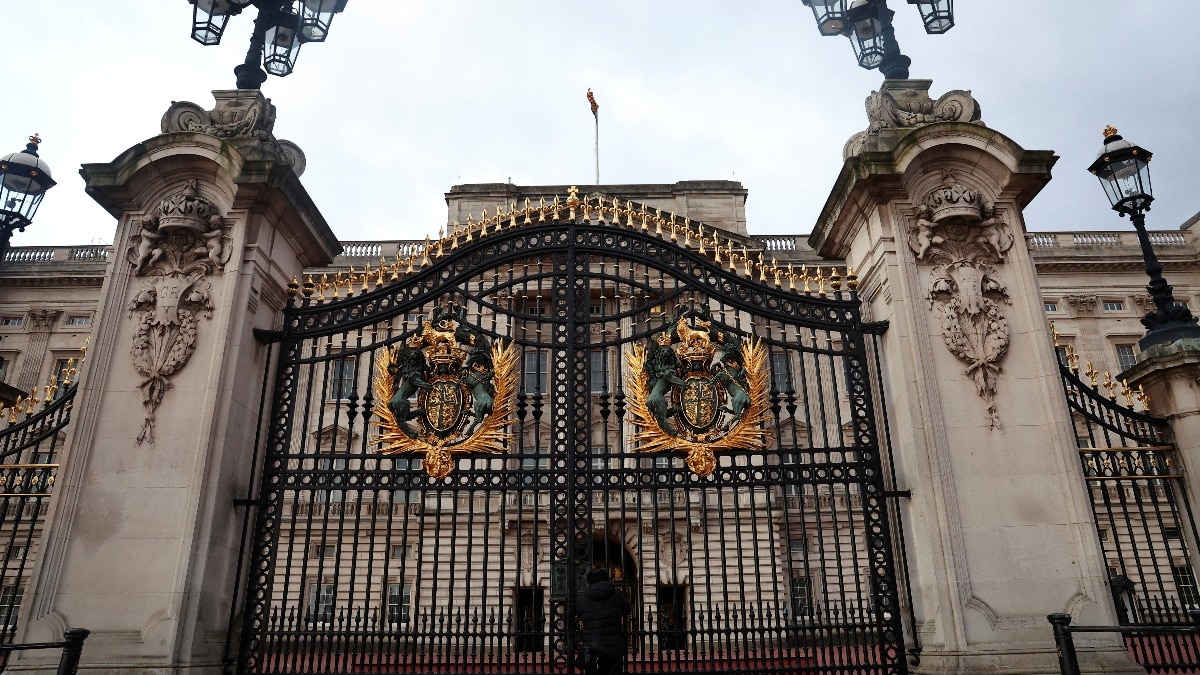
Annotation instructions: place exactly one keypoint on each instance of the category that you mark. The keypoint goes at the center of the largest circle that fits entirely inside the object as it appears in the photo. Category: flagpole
(596, 114)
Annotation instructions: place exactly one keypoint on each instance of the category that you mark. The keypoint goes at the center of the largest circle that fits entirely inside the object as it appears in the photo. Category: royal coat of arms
(698, 388)
(445, 389)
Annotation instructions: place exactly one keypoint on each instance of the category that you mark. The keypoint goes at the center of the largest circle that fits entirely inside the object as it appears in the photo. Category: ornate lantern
(866, 32)
(209, 18)
(24, 179)
(830, 15)
(937, 15)
(1124, 173)
(316, 17)
(281, 43)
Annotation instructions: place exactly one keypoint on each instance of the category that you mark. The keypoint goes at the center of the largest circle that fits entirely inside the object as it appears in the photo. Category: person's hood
(600, 590)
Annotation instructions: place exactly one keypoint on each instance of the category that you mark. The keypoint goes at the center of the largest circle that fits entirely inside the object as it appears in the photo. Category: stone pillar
(928, 210)
(41, 322)
(143, 534)
(1170, 375)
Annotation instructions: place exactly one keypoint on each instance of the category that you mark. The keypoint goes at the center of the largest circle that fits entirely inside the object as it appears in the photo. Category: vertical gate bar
(244, 540)
(257, 603)
(893, 485)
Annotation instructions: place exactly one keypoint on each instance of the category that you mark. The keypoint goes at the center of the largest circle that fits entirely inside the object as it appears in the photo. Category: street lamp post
(24, 179)
(1124, 173)
(280, 29)
(868, 24)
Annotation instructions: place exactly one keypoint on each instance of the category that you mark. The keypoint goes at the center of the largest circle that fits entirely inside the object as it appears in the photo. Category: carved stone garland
(961, 235)
(183, 242)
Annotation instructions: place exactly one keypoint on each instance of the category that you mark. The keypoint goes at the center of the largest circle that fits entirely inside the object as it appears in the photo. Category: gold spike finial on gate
(1110, 385)
(791, 276)
(835, 282)
(366, 275)
(322, 287)
(1092, 374)
(806, 279)
(1054, 335)
(425, 253)
(820, 283)
(1127, 393)
(1072, 358)
(528, 211)
(762, 268)
(1142, 398)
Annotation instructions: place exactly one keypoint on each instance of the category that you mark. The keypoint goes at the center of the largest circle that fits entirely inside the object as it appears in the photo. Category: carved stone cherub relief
(175, 250)
(964, 238)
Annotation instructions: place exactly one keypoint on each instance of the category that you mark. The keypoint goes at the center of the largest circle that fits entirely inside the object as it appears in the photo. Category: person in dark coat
(602, 609)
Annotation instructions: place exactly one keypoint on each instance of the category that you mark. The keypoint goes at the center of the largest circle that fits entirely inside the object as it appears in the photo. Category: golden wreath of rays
(747, 433)
(489, 437)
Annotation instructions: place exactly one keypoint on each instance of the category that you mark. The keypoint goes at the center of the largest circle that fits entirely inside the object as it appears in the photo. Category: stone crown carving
(175, 250)
(962, 236)
(906, 104)
(244, 118)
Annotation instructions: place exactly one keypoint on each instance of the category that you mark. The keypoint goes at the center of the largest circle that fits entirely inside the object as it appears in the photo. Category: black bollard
(74, 638)
(1068, 662)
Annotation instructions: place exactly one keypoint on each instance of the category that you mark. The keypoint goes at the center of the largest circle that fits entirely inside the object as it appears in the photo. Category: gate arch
(780, 560)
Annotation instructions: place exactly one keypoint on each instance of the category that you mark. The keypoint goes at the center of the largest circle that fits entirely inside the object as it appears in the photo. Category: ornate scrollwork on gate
(464, 387)
(698, 388)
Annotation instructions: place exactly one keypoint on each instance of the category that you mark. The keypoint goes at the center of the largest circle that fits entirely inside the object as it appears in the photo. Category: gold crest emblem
(698, 389)
(464, 388)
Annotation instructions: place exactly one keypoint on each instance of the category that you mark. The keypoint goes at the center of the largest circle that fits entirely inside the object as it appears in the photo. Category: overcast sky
(410, 97)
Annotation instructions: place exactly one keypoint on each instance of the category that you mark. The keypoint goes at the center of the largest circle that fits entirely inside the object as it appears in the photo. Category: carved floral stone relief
(961, 235)
(175, 250)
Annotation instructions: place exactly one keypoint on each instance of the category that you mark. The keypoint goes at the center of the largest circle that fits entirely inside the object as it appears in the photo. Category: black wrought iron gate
(779, 560)
(1143, 518)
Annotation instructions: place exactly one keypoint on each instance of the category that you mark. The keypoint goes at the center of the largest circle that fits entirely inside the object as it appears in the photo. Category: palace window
(320, 602)
(1050, 306)
(1126, 357)
(3, 369)
(399, 602)
(11, 321)
(10, 604)
(1185, 584)
(78, 321)
(781, 372)
(341, 378)
(1114, 306)
(802, 596)
(598, 365)
(798, 545)
(535, 372)
(402, 551)
(323, 551)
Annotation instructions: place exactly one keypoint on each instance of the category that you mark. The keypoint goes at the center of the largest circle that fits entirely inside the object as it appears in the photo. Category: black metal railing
(71, 646)
(1143, 518)
(1158, 649)
(31, 438)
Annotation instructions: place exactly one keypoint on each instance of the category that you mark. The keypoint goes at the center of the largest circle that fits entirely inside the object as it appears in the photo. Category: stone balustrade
(49, 254)
(1083, 241)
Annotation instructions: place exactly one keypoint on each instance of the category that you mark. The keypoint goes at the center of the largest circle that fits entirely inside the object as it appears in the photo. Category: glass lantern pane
(282, 46)
(209, 18)
(830, 16)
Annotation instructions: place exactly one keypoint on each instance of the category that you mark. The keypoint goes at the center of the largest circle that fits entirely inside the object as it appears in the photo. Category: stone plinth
(928, 210)
(1170, 374)
(212, 224)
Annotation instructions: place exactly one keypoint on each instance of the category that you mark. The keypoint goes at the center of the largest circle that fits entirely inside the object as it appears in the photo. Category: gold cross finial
(1110, 130)
(36, 138)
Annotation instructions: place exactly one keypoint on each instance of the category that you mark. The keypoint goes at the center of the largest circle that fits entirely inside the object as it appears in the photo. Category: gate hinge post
(267, 337)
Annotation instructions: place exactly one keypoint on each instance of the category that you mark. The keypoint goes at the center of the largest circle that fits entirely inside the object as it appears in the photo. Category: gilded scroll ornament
(699, 389)
(464, 388)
